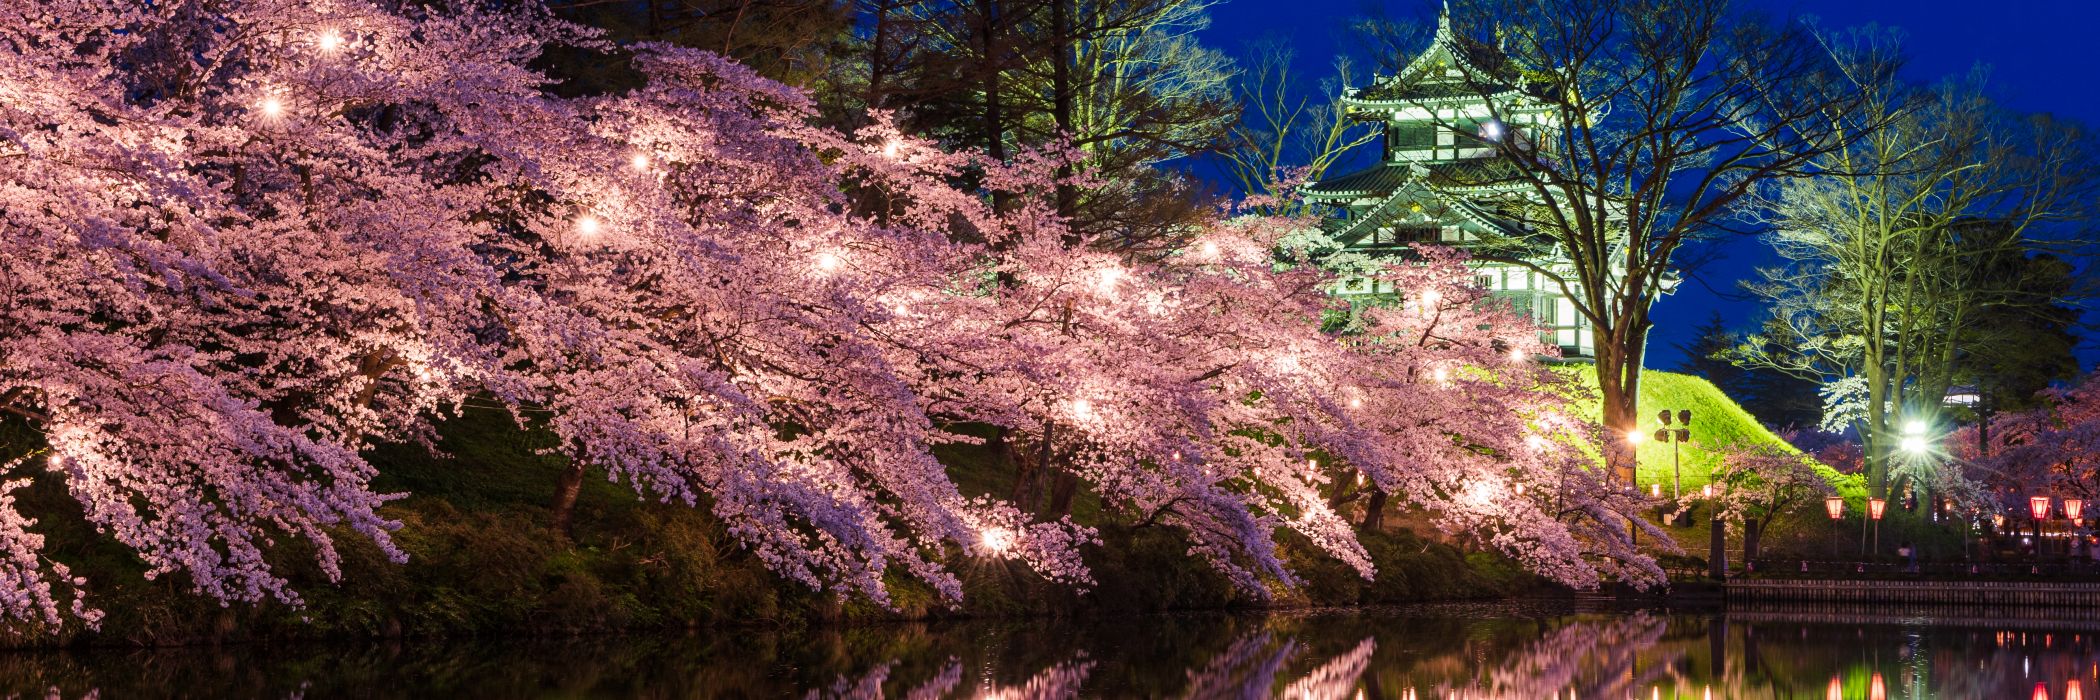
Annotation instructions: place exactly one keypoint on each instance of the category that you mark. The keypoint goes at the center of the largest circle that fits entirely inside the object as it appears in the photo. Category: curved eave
(1356, 103)
(1325, 195)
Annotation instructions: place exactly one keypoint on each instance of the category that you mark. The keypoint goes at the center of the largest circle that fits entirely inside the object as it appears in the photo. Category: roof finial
(1443, 19)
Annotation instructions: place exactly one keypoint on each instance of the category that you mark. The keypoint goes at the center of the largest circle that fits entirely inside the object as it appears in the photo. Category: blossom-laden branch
(240, 244)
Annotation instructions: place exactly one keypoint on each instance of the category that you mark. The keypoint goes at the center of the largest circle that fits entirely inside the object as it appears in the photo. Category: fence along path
(2020, 593)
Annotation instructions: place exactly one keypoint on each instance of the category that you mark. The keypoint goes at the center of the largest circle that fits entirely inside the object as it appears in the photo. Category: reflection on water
(1505, 650)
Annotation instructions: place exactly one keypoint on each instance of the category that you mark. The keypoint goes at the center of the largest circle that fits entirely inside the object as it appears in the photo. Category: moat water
(1526, 649)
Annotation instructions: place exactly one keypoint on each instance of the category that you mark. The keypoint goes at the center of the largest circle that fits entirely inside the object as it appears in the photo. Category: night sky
(2044, 56)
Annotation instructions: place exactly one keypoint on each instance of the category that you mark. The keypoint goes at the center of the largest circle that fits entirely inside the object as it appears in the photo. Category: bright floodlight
(587, 225)
(1518, 355)
(329, 41)
(889, 148)
(1356, 403)
(1106, 279)
(996, 540)
(1913, 444)
(640, 162)
(1082, 409)
(272, 107)
(828, 262)
(1430, 298)
(1491, 131)
(1916, 427)
(1210, 249)
(1636, 437)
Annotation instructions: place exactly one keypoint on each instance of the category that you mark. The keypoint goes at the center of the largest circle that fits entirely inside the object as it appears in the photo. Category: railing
(1918, 592)
(2040, 569)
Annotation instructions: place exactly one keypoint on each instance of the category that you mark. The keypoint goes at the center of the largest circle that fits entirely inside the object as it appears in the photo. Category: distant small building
(1440, 180)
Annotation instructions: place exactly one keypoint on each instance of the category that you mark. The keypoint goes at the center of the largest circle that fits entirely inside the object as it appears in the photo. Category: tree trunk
(878, 59)
(565, 492)
(1061, 94)
(994, 110)
(1752, 533)
(1619, 388)
(1717, 549)
(1064, 487)
(1029, 472)
(1873, 437)
(1374, 511)
(1983, 422)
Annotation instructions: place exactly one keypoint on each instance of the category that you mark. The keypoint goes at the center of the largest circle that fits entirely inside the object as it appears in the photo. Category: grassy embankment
(1718, 421)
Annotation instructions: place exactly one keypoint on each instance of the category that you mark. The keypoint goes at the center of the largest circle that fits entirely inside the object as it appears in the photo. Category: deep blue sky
(2044, 56)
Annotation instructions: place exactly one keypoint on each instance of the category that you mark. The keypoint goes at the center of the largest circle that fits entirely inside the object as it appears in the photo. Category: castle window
(1485, 281)
(1412, 135)
(1403, 235)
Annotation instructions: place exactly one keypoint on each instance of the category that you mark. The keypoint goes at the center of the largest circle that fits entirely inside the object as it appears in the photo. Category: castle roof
(1484, 69)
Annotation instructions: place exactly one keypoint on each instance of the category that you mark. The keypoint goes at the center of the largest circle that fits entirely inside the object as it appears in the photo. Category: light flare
(997, 540)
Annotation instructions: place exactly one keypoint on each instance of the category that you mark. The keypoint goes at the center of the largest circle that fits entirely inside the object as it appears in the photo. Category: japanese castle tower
(1439, 180)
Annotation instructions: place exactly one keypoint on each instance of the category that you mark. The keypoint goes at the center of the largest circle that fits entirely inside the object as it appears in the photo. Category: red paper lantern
(1877, 689)
(2039, 507)
(1835, 505)
(1875, 506)
(2074, 508)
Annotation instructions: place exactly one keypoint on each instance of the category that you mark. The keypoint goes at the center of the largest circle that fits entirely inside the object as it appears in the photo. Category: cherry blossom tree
(2048, 450)
(1763, 483)
(241, 242)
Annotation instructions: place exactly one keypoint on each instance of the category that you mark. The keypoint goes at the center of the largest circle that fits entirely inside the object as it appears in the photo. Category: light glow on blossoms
(329, 41)
(588, 225)
(272, 106)
(640, 162)
(827, 262)
(1082, 409)
(997, 540)
(1107, 279)
(1518, 355)
(1482, 494)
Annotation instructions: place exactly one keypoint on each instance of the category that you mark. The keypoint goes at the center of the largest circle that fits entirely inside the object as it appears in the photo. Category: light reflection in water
(1447, 652)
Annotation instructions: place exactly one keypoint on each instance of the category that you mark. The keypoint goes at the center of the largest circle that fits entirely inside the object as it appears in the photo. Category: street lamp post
(1717, 533)
(1676, 438)
(1835, 506)
(2038, 506)
(1875, 507)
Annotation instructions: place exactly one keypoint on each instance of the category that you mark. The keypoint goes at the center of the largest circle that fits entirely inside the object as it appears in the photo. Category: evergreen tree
(1706, 357)
(1777, 399)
